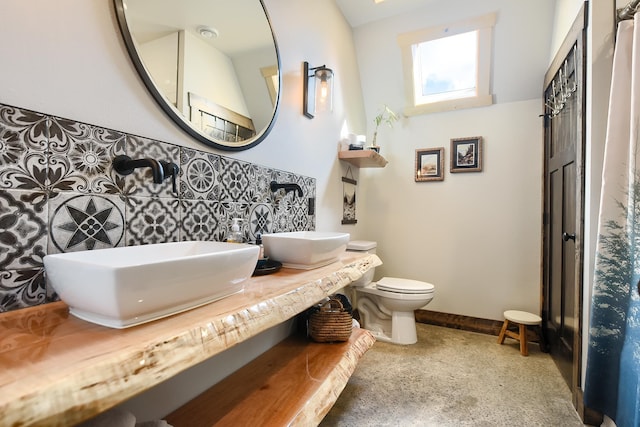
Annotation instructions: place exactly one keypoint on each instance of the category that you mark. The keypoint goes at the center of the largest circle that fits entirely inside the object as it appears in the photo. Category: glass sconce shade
(320, 97)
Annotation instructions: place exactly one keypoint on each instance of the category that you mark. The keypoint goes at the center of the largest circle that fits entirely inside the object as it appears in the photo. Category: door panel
(560, 316)
(569, 318)
(563, 207)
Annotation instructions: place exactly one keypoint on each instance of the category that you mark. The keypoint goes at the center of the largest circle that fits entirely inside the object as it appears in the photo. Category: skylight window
(448, 67)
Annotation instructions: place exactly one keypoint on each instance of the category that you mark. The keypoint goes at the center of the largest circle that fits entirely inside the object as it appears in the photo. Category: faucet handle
(172, 170)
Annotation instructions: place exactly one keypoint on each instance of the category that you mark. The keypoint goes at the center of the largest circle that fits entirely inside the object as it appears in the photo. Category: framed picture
(349, 200)
(430, 164)
(466, 154)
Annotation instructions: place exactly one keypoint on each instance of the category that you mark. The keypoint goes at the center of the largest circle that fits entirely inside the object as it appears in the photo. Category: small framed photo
(466, 154)
(430, 164)
(349, 200)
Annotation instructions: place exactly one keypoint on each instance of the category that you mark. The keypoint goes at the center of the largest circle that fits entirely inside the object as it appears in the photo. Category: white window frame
(483, 97)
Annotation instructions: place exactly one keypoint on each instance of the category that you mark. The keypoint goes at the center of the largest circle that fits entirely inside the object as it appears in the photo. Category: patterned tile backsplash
(59, 193)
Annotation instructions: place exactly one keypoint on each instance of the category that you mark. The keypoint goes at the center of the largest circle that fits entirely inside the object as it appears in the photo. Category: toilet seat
(404, 286)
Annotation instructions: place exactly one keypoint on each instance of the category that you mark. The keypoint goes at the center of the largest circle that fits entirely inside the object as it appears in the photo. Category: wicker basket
(331, 323)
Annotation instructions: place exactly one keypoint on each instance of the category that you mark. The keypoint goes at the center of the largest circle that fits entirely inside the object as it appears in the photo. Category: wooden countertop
(59, 370)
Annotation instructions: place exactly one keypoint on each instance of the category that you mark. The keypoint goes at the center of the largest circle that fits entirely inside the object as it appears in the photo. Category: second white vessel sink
(305, 249)
(127, 286)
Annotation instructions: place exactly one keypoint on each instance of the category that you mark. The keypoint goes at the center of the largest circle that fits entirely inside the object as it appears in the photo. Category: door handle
(566, 237)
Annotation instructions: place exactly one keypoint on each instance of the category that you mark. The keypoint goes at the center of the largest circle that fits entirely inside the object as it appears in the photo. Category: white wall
(210, 73)
(254, 87)
(475, 236)
(67, 58)
(564, 15)
(161, 58)
(308, 30)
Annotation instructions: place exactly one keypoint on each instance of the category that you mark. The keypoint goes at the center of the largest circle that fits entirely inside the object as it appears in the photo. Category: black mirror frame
(171, 111)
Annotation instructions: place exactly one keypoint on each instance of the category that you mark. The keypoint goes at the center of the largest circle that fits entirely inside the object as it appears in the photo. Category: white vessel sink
(305, 249)
(122, 287)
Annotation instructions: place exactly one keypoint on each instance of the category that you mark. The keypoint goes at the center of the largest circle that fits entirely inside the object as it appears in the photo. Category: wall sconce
(321, 99)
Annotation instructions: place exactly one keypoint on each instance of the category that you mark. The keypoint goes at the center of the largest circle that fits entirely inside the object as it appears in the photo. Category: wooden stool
(522, 319)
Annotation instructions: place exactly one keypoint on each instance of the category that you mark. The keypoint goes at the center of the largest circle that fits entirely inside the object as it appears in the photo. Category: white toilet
(387, 306)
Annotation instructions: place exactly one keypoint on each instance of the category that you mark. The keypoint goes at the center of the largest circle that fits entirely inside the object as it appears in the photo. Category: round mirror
(212, 65)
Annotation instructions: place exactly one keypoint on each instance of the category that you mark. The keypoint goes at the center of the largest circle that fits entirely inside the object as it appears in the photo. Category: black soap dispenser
(259, 243)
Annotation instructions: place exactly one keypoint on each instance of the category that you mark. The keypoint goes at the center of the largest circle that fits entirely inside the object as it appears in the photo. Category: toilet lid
(361, 245)
(404, 286)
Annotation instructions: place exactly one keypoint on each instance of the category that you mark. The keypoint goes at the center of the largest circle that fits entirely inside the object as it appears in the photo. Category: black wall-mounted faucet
(125, 165)
(287, 187)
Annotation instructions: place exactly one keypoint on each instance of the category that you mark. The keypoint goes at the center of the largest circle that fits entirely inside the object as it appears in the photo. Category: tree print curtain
(613, 361)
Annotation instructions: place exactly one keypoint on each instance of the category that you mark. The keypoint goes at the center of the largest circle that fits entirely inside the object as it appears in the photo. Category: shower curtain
(613, 358)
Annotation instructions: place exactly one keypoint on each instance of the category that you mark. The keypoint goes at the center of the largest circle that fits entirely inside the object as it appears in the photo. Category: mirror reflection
(212, 65)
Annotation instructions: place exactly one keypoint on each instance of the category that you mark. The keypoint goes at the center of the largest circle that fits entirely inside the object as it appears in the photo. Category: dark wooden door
(560, 315)
(564, 207)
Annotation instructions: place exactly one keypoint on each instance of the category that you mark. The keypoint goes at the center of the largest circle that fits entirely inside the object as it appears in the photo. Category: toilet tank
(364, 246)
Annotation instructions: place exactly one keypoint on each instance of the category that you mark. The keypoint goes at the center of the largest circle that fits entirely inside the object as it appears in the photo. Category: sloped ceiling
(360, 12)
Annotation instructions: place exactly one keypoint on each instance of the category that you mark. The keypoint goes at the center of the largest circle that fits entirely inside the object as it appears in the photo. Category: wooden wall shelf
(363, 158)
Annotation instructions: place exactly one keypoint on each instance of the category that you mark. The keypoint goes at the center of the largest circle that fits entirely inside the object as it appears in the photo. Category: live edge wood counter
(57, 370)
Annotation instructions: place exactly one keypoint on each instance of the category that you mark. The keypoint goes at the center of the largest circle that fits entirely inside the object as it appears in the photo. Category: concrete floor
(454, 378)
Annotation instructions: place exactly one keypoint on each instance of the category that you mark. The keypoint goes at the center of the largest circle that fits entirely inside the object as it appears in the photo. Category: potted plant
(386, 115)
